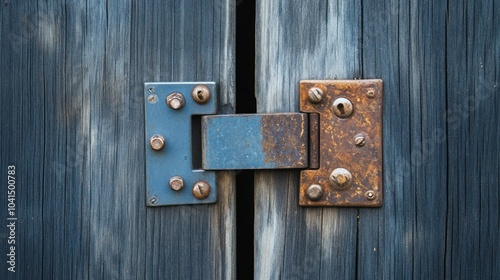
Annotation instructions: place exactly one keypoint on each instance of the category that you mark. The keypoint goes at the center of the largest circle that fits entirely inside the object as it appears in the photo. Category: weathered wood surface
(439, 61)
(298, 40)
(72, 116)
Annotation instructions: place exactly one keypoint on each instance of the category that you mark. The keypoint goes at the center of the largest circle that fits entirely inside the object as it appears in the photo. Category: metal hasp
(336, 140)
(259, 141)
(173, 172)
(350, 143)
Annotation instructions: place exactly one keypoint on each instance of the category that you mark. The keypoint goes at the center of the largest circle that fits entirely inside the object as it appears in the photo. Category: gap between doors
(245, 103)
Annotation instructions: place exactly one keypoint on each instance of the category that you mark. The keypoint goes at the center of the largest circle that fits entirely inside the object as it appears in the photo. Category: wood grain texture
(473, 131)
(440, 72)
(72, 116)
(295, 41)
(405, 239)
(439, 61)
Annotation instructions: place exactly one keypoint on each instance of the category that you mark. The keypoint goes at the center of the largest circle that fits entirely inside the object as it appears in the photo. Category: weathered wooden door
(440, 64)
(72, 139)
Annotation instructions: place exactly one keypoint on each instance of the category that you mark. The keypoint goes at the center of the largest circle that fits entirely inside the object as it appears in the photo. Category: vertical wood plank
(405, 238)
(439, 214)
(473, 99)
(71, 82)
(301, 40)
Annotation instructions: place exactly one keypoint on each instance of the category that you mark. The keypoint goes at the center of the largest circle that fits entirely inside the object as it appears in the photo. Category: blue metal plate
(176, 158)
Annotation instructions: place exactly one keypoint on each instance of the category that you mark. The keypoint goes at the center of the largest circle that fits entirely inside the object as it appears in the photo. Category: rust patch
(337, 143)
(313, 141)
(284, 139)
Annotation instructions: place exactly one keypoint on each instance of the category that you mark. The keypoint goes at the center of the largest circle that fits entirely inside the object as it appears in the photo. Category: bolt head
(342, 107)
(152, 98)
(340, 178)
(315, 95)
(201, 190)
(370, 93)
(157, 142)
(370, 195)
(176, 183)
(360, 140)
(176, 100)
(314, 192)
(201, 94)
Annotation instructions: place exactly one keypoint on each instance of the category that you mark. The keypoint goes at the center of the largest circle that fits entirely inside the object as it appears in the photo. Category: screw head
(157, 142)
(360, 140)
(370, 195)
(176, 183)
(175, 100)
(342, 107)
(152, 98)
(340, 178)
(315, 95)
(201, 94)
(314, 192)
(153, 200)
(201, 190)
(370, 93)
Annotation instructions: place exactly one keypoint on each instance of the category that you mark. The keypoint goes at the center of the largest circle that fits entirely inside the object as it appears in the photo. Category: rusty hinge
(336, 141)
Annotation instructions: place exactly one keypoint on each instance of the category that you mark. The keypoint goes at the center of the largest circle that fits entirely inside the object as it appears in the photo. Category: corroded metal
(201, 190)
(340, 178)
(313, 141)
(176, 100)
(201, 94)
(315, 95)
(258, 141)
(342, 107)
(338, 146)
(360, 139)
(314, 192)
(176, 183)
(157, 142)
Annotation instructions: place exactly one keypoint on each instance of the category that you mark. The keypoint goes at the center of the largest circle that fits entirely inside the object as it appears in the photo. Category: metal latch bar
(257, 141)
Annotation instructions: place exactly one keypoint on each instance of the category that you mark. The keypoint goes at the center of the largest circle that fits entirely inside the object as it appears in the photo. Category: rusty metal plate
(348, 140)
(257, 141)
